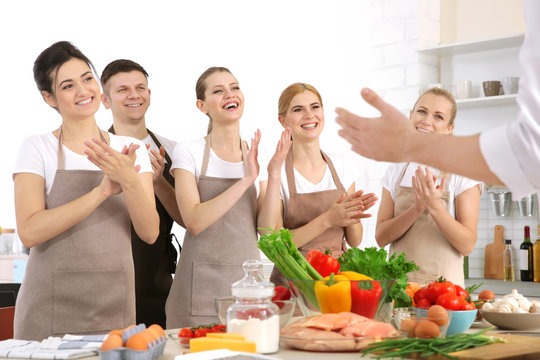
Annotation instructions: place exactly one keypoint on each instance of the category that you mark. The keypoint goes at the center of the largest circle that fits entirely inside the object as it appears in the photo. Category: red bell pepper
(365, 294)
(325, 264)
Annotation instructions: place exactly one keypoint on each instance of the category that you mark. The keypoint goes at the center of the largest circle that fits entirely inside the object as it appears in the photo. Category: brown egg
(157, 330)
(438, 315)
(486, 295)
(113, 341)
(426, 329)
(119, 332)
(137, 342)
(408, 325)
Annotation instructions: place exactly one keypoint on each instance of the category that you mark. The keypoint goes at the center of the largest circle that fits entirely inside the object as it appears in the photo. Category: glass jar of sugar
(253, 314)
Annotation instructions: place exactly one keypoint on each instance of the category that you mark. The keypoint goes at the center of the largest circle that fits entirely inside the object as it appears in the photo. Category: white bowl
(512, 321)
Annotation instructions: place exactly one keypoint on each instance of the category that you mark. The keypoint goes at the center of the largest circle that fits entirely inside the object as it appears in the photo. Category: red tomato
(424, 303)
(420, 294)
(201, 332)
(449, 301)
(220, 328)
(469, 306)
(185, 332)
(440, 287)
(461, 291)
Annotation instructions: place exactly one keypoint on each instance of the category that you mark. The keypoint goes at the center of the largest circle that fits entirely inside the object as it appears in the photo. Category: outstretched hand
(384, 138)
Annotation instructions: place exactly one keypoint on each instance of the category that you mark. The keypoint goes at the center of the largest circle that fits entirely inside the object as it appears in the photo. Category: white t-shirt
(455, 184)
(512, 152)
(38, 154)
(347, 175)
(188, 155)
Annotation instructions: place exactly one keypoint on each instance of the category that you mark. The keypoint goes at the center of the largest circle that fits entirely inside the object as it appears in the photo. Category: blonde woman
(215, 189)
(429, 215)
(306, 191)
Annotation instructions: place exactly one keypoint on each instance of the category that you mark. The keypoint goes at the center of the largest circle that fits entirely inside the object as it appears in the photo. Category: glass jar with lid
(253, 314)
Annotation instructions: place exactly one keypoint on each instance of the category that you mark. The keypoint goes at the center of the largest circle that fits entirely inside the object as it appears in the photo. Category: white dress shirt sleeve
(512, 152)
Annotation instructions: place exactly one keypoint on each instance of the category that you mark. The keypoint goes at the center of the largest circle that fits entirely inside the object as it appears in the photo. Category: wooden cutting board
(518, 347)
(493, 262)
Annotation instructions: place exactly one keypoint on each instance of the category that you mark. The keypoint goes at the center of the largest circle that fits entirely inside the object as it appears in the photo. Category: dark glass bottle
(526, 257)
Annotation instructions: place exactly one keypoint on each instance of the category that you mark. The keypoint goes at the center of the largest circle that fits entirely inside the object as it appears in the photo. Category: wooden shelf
(487, 101)
(474, 46)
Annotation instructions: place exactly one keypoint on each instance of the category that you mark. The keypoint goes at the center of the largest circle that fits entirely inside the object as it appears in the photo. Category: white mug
(461, 89)
(510, 85)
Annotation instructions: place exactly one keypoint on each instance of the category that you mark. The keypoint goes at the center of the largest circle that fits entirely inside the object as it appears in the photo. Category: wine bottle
(536, 257)
(526, 257)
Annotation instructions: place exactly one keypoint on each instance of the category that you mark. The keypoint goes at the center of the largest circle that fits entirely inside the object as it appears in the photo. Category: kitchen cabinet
(478, 61)
(12, 268)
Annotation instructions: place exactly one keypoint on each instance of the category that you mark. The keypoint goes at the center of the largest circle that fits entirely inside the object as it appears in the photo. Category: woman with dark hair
(215, 189)
(76, 190)
(425, 213)
(306, 191)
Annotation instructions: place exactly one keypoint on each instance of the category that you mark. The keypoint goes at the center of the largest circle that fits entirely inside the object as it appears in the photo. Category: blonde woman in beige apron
(327, 216)
(76, 190)
(217, 198)
(430, 217)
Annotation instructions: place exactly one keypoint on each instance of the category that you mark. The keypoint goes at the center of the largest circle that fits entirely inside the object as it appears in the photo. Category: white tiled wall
(399, 28)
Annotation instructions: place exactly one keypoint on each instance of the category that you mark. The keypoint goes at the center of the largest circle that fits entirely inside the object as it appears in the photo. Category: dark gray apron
(211, 261)
(81, 281)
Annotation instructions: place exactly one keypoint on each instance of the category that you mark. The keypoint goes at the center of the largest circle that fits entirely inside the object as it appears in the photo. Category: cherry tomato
(185, 332)
(200, 332)
(449, 301)
(220, 328)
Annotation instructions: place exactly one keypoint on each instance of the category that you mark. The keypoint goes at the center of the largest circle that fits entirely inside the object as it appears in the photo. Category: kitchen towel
(67, 347)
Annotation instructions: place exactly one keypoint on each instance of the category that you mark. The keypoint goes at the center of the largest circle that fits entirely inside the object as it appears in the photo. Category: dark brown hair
(118, 66)
(51, 59)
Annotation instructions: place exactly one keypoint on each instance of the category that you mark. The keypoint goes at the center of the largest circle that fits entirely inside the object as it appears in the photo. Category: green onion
(427, 347)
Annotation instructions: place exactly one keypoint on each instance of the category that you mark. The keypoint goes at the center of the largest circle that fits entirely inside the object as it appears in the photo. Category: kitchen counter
(500, 287)
(173, 349)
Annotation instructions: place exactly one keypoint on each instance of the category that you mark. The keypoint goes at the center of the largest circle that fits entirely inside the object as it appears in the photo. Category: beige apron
(424, 243)
(303, 208)
(81, 281)
(212, 260)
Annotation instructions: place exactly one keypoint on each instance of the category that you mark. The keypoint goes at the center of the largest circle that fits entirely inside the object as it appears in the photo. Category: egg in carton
(155, 348)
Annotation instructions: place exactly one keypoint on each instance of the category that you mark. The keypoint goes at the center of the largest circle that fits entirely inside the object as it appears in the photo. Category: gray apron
(424, 243)
(303, 208)
(81, 281)
(212, 260)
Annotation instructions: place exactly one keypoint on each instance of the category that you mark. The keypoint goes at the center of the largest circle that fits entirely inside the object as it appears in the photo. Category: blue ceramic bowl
(461, 321)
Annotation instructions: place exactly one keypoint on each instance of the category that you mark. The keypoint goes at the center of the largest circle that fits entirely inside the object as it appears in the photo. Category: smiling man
(126, 93)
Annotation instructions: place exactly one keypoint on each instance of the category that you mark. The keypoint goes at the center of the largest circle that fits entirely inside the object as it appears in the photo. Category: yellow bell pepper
(353, 275)
(333, 295)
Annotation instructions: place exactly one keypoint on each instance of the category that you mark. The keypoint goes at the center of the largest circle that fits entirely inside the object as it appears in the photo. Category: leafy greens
(373, 262)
